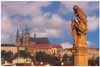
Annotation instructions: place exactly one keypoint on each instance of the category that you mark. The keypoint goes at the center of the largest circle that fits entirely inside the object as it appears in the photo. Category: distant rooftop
(41, 46)
(40, 40)
(47, 46)
(8, 45)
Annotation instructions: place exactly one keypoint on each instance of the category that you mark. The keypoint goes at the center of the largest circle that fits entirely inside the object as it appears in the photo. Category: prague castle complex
(32, 44)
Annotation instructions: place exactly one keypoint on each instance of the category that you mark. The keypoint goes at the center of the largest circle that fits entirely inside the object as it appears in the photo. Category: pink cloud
(66, 7)
(93, 23)
(66, 45)
(6, 25)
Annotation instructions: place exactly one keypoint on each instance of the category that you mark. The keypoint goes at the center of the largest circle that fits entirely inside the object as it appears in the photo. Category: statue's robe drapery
(79, 29)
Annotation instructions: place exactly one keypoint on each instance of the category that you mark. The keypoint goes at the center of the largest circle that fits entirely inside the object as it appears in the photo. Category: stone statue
(79, 26)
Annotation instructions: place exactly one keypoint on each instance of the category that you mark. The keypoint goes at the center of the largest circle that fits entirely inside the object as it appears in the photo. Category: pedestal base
(81, 57)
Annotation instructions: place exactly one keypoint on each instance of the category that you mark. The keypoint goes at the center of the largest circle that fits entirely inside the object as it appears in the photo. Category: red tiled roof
(56, 46)
(46, 46)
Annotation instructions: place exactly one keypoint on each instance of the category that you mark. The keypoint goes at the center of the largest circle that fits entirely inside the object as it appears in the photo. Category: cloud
(88, 7)
(90, 43)
(53, 26)
(6, 25)
(32, 8)
(53, 32)
(93, 23)
(42, 23)
(39, 34)
(57, 20)
(7, 30)
(66, 45)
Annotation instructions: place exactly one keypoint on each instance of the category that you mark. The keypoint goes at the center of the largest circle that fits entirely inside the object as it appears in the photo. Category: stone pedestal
(81, 57)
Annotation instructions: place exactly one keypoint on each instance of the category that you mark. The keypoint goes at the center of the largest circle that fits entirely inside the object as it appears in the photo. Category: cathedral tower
(25, 37)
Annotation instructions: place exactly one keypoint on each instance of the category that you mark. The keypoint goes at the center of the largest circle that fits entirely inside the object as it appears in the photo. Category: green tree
(40, 56)
(7, 56)
(3, 55)
(23, 54)
(51, 59)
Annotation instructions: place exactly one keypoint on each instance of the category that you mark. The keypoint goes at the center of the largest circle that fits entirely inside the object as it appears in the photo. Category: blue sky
(48, 19)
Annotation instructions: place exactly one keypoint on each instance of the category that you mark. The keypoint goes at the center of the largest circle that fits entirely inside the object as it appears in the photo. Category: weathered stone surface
(79, 30)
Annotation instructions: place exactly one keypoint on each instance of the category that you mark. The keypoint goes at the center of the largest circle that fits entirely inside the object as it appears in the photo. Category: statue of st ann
(79, 26)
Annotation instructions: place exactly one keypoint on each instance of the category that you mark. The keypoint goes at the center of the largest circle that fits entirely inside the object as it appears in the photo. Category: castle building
(25, 39)
(35, 44)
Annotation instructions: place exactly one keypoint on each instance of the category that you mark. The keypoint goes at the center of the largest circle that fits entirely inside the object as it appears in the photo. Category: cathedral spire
(17, 38)
(17, 34)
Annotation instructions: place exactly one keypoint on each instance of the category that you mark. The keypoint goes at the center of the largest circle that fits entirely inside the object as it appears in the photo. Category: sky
(48, 19)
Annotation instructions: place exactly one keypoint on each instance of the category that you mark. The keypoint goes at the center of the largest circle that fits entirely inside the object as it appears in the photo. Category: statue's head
(75, 7)
(79, 12)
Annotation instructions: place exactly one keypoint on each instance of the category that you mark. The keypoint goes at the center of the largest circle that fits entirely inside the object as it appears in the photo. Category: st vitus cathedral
(26, 39)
